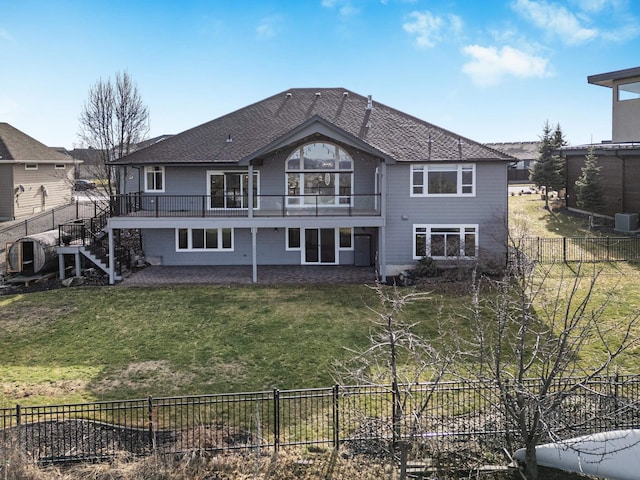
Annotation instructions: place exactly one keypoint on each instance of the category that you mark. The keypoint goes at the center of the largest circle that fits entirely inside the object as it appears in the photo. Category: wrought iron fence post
(18, 414)
(564, 249)
(152, 441)
(616, 404)
(276, 419)
(336, 417)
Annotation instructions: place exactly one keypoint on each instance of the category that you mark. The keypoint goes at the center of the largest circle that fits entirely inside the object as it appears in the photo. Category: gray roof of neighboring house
(20, 147)
(607, 79)
(261, 128)
(520, 150)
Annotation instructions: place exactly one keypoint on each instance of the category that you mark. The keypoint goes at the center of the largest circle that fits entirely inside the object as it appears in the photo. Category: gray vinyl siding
(6, 192)
(160, 244)
(192, 180)
(487, 209)
(270, 249)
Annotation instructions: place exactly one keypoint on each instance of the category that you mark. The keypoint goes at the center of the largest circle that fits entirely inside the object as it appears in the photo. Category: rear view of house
(33, 177)
(314, 177)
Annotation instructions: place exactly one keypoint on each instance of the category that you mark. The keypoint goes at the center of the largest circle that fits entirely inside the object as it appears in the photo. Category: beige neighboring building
(33, 177)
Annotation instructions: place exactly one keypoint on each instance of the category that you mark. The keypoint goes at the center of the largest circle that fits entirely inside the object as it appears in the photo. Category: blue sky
(485, 69)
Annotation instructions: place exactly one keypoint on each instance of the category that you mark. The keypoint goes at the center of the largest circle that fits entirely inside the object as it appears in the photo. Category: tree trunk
(531, 462)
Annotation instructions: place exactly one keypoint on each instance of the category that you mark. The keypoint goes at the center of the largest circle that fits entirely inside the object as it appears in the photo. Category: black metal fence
(359, 418)
(581, 249)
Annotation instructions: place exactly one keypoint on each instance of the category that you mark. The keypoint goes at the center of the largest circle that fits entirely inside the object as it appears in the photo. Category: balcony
(202, 206)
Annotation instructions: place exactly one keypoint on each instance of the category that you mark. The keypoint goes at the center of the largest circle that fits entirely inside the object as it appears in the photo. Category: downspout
(382, 242)
(254, 230)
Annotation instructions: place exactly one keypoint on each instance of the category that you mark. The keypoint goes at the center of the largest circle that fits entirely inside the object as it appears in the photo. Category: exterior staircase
(88, 238)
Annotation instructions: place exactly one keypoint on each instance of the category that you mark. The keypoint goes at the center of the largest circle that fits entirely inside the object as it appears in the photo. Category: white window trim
(239, 172)
(190, 240)
(429, 227)
(424, 168)
(31, 166)
(60, 166)
(148, 169)
(286, 240)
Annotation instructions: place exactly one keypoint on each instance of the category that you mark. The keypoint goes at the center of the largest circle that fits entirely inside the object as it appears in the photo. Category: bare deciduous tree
(530, 331)
(399, 359)
(113, 120)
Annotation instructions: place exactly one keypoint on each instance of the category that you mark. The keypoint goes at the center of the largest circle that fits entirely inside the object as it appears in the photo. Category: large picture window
(204, 239)
(154, 179)
(445, 241)
(319, 173)
(443, 180)
(231, 189)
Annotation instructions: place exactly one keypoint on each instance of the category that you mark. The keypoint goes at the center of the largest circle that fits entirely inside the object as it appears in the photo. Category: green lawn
(92, 343)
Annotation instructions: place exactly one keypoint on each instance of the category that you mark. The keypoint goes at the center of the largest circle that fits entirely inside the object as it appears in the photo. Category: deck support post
(254, 257)
(112, 259)
(61, 266)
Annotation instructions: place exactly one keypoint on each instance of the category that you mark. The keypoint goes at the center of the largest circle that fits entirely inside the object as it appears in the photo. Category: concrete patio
(242, 274)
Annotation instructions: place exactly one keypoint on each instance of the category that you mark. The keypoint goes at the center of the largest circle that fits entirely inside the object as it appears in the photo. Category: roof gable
(252, 131)
(18, 146)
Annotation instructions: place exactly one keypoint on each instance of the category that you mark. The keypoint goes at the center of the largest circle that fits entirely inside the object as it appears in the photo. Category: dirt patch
(143, 375)
(18, 391)
(31, 314)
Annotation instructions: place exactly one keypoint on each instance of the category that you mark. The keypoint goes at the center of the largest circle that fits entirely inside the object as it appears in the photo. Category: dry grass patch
(143, 375)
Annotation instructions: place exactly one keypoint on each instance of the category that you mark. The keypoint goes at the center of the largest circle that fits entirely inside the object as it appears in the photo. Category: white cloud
(429, 29)
(596, 6)
(268, 27)
(345, 7)
(489, 66)
(555, 19)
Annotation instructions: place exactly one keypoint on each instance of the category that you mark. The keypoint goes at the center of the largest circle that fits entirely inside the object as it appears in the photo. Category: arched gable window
(319, 173)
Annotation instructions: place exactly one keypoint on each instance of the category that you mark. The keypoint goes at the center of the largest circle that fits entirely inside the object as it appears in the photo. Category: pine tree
(589, 186)
(548, 171)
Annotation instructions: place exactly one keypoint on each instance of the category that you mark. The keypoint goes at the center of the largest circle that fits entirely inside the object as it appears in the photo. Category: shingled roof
(258, 129)
(20, 147)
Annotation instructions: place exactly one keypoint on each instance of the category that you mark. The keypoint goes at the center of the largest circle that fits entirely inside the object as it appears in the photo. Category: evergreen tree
(589, 186)
(548, 171)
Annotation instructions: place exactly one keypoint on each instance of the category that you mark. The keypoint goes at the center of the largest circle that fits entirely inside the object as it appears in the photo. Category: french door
(319, 246)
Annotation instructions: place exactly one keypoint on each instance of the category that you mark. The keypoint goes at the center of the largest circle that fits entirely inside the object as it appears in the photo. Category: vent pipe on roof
(317, 94)
(229, 139)
(369, 102)
(289, 94)
(345, 94)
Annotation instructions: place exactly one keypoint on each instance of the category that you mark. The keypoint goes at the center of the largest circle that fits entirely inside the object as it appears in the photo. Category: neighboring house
(91, 160)
(33, 177)
(314, 177)
(526, 154)
(88, 161)
(620, 157)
